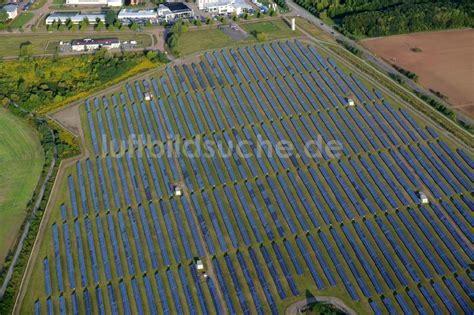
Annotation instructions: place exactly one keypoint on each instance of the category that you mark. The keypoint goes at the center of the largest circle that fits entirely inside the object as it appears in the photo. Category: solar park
(267, 229)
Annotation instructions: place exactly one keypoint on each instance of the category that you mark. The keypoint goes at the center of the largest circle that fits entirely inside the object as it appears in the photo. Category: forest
(389, 17)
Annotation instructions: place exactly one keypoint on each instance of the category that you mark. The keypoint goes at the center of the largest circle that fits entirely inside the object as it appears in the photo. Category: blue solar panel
(360, 257)
(263, 282)
(103, 135)
(82, 188)
(419, 241)
(161, 291)
(190, 77)
(126, 244)
(69, 261)
(429, 298)
(306, 257)
(137, 297)
(49, 306)
(174, 291)
(62, 305)
(170, 77)
(171, 132)
(123, 181)
(374, 256)
(37, 307)
(124, 298)
(398, 250)
(112, 300)
(464, 170)
(214, 296)
(103, 249)
(176, 118)
(453, 249)
(187, 291)
(57, 258)
(274, 274)
(249, 279)
(111, 173)
(148, 236)
(170, 231)
(274, 52)
(292, 255)
(93, 133)
(355, 272)
(225, 290)
(159, 235)
(47, 276)
(256, 62)
(375, 307)
(92, 254)
(339, 269)
(246, 62)
(103, 187)
(457, 296)
(80, 253)
(74, 302)
(199, 290)
(214, 68)
(131, 171)
(100, 300)
(149, 295)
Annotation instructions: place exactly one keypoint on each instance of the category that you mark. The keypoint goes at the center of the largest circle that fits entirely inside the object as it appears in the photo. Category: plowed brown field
(445, 62)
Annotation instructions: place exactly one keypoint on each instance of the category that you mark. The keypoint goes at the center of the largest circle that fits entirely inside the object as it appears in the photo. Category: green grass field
(354, 217)
(199, 40)
(274, 29)
(206, 39)
(47, 43)
(21, 20)
(21, 162)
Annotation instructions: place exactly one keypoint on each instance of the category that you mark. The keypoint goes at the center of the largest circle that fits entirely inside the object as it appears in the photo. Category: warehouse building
(167, 12)
(75, 17)
(221, 7)
(110, 3)
(94, 44)
(137, 15)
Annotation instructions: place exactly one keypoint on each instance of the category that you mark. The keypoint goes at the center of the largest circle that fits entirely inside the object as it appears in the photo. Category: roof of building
(101, 41)
(74, 16)
(177, 7)
(11, 7)
(142, 13)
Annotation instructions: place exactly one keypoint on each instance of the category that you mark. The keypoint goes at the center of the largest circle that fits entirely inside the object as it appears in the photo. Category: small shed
(148, 96)
(423, 198)
(350, 102)
(199, 265)
(178, 192)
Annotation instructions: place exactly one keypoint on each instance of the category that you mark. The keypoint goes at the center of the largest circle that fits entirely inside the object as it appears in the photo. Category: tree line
(387, 17)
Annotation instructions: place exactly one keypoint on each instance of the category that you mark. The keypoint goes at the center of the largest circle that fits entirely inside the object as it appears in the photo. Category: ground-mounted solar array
(269, 230)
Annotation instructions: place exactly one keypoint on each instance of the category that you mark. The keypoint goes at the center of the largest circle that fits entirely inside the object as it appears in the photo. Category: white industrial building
(224, 7)
(168, 11)
(94, 44)
(75, 17)
(110, 3)
(142, 14)
(12, 10)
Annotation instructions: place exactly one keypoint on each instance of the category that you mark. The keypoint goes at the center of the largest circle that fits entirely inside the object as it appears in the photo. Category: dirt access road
(443, 61)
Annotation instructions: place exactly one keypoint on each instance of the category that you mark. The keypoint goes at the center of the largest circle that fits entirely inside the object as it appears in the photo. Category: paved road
(367, 55)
